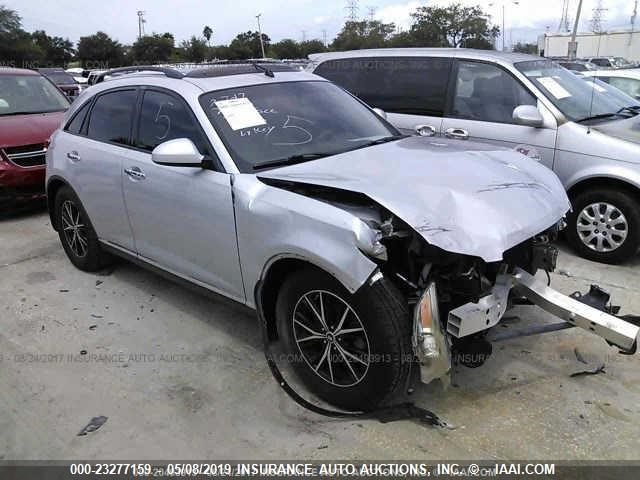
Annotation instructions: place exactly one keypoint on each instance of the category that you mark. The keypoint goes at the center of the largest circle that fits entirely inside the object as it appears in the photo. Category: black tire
(93, 258)
(384, 316)
(627, 204)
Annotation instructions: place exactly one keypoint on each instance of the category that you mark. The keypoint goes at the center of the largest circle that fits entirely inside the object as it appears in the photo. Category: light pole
(260, 33)
(515, 2)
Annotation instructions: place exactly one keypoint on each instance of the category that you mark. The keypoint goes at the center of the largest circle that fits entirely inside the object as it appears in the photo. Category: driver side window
(164, 117)
(487, 93)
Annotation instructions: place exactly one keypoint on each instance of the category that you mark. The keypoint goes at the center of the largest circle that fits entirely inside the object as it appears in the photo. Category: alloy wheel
(74, 229)
(331, 338)
(602, 227)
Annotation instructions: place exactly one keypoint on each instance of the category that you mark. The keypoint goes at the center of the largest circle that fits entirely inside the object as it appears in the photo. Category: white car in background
(627, 80)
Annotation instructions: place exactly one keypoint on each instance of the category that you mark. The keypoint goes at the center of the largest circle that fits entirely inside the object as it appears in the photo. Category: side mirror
(380, 112)
(527, 115)
(180, 152)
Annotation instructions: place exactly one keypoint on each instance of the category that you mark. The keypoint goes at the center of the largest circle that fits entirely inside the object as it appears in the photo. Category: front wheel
(352, 350)
(77, 235)
(604, 225)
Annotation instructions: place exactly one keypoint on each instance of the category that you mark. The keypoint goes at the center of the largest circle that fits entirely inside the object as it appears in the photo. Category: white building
(615, 43)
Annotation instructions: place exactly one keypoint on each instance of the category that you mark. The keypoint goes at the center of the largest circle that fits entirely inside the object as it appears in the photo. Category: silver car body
(225, 230)
(576, 153)
(437, 203)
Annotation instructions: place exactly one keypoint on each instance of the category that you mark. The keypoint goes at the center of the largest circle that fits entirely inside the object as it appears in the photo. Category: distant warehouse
(615, 43)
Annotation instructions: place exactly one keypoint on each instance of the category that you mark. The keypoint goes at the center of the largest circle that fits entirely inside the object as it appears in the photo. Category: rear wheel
(352, 350)
(76, 233)
(605, 225)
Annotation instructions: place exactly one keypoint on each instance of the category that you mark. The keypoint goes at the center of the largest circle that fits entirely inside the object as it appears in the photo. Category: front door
(481, 109)
(182, 217)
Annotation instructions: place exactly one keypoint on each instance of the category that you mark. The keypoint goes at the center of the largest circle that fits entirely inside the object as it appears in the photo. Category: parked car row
(370, 254)
(595, 63)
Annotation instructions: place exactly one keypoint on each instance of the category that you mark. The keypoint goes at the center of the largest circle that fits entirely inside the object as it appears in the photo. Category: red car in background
(31, 108)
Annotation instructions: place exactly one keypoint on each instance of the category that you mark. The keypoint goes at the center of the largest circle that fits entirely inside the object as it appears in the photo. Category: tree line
(452, 26)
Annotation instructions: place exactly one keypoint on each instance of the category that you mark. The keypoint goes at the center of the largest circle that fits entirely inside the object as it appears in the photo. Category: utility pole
(304, 35)
(633, 21)
(573, 45)
(141, 22)
(502, 32)
(596, 19)
(352, 10)
(260, 33)
(371, 11)
(324, 38)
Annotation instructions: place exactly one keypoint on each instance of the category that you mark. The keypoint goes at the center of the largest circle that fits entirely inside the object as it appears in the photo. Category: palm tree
(207, 32)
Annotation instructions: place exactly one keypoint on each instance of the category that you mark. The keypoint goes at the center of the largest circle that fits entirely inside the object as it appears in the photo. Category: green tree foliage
(100, 51)
(153, 48)
(453, 26)
(206, 33)
(10, 21)
(286, 48)
(16, 46)
(194, 49)
(363, 34)
(56, 51)
(247, 45)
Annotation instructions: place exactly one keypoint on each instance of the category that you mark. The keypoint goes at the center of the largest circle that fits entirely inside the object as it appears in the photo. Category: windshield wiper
(634, 109)
(599, 117)
(382, 140)
(292, 160)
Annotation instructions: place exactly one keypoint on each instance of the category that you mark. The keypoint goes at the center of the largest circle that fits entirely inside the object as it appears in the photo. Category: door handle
(425, 130)
(135, 173)
(459, 133)
(73, 156)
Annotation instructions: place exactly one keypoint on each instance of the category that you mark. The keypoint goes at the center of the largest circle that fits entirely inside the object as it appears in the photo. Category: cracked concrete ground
(181, 376)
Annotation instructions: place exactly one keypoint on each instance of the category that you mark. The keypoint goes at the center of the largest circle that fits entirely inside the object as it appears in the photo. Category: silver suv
(586, 133)
(363, 250)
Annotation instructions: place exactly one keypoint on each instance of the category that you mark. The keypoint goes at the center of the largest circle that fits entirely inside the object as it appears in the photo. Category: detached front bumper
(432, 347)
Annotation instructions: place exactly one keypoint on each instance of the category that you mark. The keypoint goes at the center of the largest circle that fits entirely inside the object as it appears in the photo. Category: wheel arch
(273, 276)
(603, 182)
(54, 184)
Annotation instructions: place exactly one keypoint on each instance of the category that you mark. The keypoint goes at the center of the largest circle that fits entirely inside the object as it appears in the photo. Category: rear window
(61, 78)
(395, 84)
(24, 94)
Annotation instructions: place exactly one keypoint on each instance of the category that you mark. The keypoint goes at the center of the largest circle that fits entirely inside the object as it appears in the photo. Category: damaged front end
(457, 299)
(449, 329)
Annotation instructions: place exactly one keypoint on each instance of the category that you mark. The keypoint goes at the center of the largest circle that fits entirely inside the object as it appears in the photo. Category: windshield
(574, 97)
(29, 94)
(278, 121)
(61, 78)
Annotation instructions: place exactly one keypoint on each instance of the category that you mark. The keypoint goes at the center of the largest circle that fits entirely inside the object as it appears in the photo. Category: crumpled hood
(628, 129)
(463, 197)
(18, 130)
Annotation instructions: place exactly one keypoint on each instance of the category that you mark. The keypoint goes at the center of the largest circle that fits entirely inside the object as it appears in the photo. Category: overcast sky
(282, 18)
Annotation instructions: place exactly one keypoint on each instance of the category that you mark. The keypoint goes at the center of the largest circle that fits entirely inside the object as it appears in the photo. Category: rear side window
(395, 84)
(112, 116)
(488, 93)
(75, 125)
(163, 118)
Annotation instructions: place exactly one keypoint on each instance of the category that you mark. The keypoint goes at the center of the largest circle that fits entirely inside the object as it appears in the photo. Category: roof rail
(169, 72)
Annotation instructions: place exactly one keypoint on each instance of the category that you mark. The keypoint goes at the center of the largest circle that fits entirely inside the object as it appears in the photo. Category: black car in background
(65, 82)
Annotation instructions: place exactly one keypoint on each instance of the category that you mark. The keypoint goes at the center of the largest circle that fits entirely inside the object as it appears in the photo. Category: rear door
(483, 98)
(182, 217)
(411, 90)
(93, 146)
